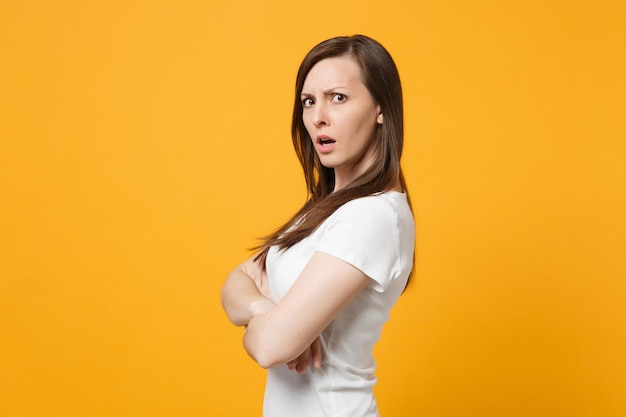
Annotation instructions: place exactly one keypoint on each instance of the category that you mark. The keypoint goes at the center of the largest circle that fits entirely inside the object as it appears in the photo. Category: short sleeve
(364, 233)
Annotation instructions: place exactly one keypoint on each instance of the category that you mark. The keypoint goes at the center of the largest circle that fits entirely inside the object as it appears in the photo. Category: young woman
(315, 296)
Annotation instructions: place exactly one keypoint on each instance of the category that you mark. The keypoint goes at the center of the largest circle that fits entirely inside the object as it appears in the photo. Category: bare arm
(325, 286)
(243, 293)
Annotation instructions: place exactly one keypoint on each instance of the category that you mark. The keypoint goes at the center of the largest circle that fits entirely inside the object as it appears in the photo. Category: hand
(259, 276)
(264, 304)
(312, 355)
(257, 307)
(260, 306)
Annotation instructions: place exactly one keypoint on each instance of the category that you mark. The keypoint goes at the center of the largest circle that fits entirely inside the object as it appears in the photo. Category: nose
(320, 115)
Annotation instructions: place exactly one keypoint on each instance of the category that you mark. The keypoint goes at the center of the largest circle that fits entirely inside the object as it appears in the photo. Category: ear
(379, 118)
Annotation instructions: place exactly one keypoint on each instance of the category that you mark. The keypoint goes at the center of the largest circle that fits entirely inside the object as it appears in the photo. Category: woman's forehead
(332, 73)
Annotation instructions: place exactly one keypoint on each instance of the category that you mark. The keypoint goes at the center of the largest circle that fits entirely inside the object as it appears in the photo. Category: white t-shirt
(376, 234)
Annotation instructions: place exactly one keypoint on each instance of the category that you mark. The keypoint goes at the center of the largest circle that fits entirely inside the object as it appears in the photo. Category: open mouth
(325, 141)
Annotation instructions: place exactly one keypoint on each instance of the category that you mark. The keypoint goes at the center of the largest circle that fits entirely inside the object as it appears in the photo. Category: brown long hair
(380, 76)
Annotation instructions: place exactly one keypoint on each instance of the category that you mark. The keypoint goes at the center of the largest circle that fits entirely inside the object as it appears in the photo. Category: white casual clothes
(376, 234)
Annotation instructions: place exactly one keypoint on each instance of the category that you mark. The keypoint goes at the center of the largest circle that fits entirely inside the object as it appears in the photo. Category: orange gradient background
(144, 145)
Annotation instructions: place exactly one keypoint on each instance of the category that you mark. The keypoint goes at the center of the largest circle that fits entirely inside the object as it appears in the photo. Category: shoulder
(385, 215)
(375, 234)
(385, 207)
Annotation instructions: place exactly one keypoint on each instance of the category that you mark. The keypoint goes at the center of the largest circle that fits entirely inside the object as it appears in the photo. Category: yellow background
(145, 145)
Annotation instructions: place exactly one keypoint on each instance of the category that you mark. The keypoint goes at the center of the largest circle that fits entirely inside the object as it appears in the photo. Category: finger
(316, 353)
(303, 361)
(256, 278)
(264, 283)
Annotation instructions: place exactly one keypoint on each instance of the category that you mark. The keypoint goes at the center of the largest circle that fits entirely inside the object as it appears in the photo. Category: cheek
(306, 119)
(366, 128)
(308, 127)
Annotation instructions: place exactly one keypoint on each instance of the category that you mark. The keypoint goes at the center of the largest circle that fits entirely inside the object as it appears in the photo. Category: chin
(327, 163)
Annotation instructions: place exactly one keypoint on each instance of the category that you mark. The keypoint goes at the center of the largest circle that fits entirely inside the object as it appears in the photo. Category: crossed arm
(284, 333)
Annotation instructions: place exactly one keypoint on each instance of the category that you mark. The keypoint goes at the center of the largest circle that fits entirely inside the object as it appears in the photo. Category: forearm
(325, 286)
(268, 345)
(241, 298)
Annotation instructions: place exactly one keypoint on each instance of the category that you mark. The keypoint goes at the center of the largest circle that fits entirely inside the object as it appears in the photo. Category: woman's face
(341, 117)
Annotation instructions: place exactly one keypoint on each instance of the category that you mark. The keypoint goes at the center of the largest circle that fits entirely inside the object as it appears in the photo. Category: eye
(307, 102)
(339, 98)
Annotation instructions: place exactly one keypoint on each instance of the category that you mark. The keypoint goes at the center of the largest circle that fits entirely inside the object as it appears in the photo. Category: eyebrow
(325, 92)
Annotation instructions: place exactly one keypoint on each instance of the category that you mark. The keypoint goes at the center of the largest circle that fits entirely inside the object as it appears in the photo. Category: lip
(324, 143)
